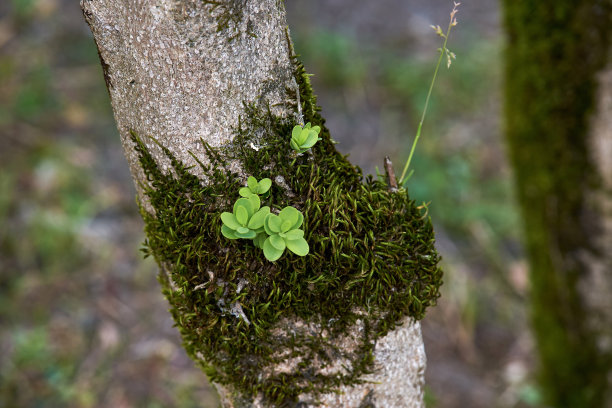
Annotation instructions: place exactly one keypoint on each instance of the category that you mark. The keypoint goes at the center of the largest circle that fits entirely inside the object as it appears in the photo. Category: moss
(555, 48)
(372, 259)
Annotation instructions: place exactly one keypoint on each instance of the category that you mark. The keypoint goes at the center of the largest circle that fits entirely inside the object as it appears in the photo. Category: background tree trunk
(558, 110)
(188, 73)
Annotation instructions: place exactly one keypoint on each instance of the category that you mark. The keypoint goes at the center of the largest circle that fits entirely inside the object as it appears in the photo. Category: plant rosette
(247, 220)
(303, 138)
(261, 187)
(284, 232)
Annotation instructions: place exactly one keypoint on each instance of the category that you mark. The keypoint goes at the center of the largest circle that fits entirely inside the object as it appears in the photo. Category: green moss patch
(372, 261)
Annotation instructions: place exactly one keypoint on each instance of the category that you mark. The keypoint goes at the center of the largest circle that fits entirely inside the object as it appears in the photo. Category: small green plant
(246, 221)
(303, 138)
(449, 57)
(261, 187)
(270, 232)
(283, 230)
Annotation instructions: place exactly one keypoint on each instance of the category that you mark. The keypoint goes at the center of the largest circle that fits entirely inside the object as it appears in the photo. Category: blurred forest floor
(82, 320)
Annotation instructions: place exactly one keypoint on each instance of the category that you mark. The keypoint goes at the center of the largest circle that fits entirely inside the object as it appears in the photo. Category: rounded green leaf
(228, 233)
(242, 216)
(298, 246)
(310, 140)
(249, 234)
(307, 125)
(277, 242)
(294, 234)
(316, 129)
(252, 183)
(286, 226)
(257, 220)
(299, 222)
(246, 203)
(229, 220)
(264, 186)
(295, 133)
(245, 192)
(294, 145)
(272, 224)
(303, 137)
(271, 253)
(255, 203)
(290, 214)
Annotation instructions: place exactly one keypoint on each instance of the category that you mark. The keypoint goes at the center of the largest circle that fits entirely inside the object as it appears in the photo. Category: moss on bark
(372, 262)
(554, 50)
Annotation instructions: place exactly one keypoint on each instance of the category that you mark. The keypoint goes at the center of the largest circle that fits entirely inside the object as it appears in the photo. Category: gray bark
(595, 284)
(172, 74)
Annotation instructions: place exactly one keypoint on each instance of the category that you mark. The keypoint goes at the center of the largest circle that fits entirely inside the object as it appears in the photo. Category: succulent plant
(283, 230)
(246, 221)
(256, 187)
(303, 138)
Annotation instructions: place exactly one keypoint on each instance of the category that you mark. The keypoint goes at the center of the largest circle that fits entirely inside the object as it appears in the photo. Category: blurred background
(82, 320)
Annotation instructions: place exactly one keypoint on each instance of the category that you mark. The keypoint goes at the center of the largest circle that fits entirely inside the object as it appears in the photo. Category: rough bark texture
(558, 110)
(183, 71)
(595, 285)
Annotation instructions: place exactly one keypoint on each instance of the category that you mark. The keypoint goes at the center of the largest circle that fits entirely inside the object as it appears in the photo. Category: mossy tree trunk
(205, 93)
(559, 131)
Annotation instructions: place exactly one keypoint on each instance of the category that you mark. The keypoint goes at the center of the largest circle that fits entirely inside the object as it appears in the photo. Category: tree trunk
(559, 130)
(205, 93)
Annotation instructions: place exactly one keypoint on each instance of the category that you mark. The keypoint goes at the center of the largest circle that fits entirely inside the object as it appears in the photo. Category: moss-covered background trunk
(559, 134)
(205, 93)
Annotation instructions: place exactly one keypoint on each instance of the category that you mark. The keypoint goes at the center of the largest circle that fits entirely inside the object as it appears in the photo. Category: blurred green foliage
(453, 180)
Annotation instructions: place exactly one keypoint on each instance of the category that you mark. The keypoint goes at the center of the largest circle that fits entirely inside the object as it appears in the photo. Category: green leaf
(307, 125)
(246, 203)
(257, 220)
(286, 226)
(272, 224)
(310, 140)
(245, 192)
(295, 133)
(302, 138)
(298, 246)
(252, 183)
(255, 203)
(271, 253)
(290, 214)
(229, 220)
(294, 234)
(299, 222)
(264, 185)
(294, 146)
(248, 234)
(228, 233)
(277, 242)
(316, 129)
(242, 215)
